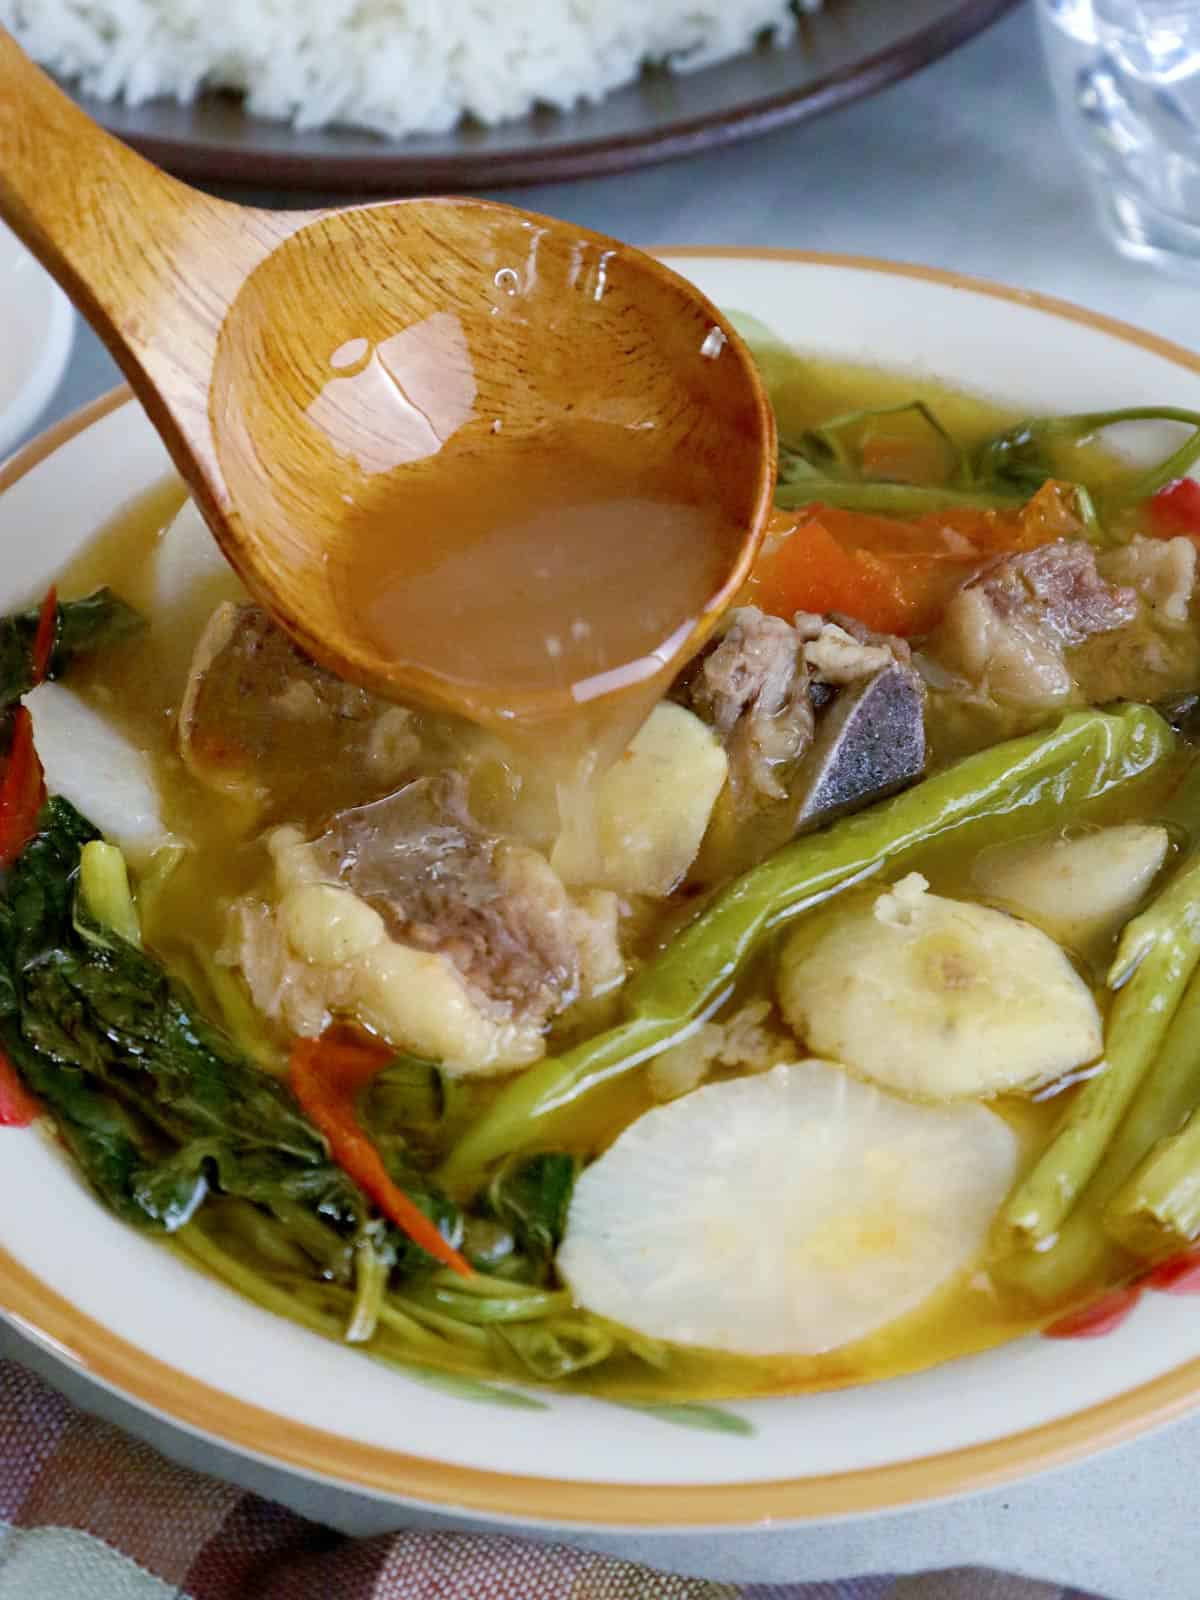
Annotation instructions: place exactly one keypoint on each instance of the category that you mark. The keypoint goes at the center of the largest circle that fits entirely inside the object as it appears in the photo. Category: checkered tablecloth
(87, 1513)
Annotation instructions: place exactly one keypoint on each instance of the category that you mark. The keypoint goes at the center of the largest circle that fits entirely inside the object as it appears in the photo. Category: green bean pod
(1156, 957)
(1158, 1211)
(889, 499)
(1086, 755)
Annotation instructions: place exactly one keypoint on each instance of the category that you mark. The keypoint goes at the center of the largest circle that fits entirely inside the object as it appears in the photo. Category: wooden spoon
(468, 457)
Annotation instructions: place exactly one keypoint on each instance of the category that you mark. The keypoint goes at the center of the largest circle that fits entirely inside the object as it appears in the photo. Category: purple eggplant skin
(869, 743)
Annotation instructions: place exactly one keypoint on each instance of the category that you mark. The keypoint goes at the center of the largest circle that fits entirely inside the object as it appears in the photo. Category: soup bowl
(39, 332)
(136, 1318)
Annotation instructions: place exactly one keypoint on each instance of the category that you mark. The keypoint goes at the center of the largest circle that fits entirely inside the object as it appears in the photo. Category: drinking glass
(1126, 75)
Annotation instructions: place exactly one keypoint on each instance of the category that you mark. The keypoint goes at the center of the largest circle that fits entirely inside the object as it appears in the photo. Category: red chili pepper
(44, 638)
(1176, 509)
(22, 790)
(1102, 1316)
(1180, 1275)
(18, 1108)
(326, 1077)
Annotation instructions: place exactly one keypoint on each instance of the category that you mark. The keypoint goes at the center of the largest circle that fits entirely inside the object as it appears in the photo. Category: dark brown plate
(850, 49)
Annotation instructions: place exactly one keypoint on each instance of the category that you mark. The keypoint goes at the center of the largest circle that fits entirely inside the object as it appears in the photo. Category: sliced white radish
(938, 998)
(650, 810)
(95, 767)
(787, 1213)
(1080, 890)
(191, 579)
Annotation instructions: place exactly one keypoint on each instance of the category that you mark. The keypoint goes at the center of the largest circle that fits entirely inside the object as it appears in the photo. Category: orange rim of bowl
(42, 1314)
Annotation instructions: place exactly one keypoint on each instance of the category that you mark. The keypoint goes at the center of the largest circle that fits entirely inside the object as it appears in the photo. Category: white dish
(37, 329)
(136, 1318)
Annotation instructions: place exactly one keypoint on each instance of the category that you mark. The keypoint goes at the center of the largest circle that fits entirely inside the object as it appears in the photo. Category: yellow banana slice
(642, 829)
(1079, 890)
(938, 998)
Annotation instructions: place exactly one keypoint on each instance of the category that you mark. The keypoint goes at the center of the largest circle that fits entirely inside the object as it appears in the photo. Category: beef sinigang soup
(845, 1022)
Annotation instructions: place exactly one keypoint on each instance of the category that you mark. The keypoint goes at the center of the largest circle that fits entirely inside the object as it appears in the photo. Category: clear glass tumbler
(1126, 75)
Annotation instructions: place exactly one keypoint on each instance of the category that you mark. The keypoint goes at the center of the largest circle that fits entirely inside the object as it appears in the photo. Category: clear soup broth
(246, 769)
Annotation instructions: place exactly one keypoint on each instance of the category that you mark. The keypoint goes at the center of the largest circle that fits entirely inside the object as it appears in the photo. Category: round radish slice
(788, 1213)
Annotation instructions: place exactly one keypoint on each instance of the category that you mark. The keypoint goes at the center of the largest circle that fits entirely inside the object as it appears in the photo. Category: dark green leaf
(530, 1195)
(105, 1141)
(158, 1105)
(96, 622)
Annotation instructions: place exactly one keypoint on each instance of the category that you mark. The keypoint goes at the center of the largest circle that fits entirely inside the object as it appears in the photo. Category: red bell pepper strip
(1176, 509)
(18, 1108)
(1101, 1317)
(1179, 1275)
(22, 790)
(326, 1075)
(44, 638)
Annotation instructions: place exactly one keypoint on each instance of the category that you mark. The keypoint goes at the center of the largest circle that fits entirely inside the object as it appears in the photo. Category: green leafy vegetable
(464, 1388)
(157, 1104)
(530, 1196)
(824, 464)
(838, 441)
(559, 1347)
(178, 1132)
(96, 622)
(371, 1270)
(1021, 456)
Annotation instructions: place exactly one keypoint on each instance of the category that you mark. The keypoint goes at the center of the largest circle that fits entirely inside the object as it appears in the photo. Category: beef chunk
(763, 681)
(753, 687)
(259, 718)
(498, 911)
(1006, 633)
(1057, 590)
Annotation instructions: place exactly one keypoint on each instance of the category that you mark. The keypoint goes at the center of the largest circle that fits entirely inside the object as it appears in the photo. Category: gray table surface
(962, 167)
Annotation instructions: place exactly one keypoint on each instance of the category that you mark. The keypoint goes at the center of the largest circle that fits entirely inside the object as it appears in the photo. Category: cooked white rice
(398, 66)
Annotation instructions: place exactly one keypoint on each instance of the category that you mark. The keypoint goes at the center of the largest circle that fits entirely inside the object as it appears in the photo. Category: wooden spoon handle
(99, 218)
(151, 263)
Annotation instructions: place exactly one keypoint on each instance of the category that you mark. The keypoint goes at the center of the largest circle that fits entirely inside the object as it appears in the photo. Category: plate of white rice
(444, 94)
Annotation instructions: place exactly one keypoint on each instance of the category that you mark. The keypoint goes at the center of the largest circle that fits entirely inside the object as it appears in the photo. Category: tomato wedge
(897, 575)
(1176, 509)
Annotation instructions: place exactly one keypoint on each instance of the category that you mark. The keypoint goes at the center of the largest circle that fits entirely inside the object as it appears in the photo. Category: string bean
(1158, 1210)
(1156, 957)
(1084, 756)
(1089, 1246)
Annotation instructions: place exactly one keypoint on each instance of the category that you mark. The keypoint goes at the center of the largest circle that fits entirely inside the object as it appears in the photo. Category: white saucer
(37, 328)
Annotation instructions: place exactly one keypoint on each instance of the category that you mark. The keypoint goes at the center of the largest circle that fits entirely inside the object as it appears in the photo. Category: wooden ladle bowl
(352, 394)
